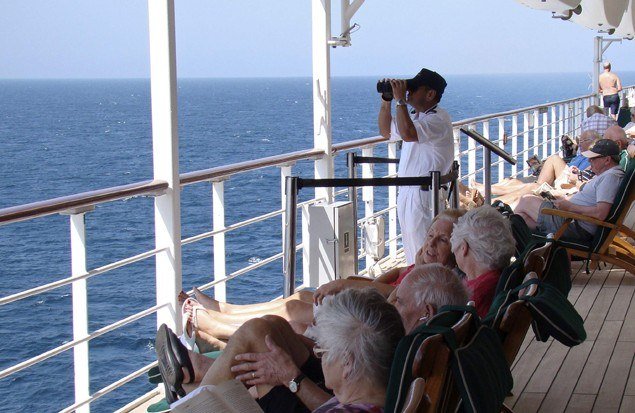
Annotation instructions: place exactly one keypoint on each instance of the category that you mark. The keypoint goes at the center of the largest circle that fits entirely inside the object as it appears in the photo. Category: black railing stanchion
(288, 269)
(487, 175)
(454, 200)
(352, 196)
(435, 187)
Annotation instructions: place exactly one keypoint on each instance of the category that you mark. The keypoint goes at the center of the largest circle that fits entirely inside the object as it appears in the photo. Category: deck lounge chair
(420, 379)
(609, 243)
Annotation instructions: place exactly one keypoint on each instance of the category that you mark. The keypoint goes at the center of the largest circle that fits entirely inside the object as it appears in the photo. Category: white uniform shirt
(435, 149)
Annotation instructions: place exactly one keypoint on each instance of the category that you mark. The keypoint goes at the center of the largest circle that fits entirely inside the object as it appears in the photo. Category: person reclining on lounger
(555, 172)
(594, 199)
(266, 353)
(483, 244)
(212, 324)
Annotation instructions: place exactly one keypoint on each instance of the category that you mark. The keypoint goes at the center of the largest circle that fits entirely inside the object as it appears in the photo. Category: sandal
(172, 356)
(188, 340)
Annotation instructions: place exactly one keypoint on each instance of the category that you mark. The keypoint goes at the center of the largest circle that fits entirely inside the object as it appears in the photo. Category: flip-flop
(154, 375)
(162, 406)
(172, 356)
(189, 341)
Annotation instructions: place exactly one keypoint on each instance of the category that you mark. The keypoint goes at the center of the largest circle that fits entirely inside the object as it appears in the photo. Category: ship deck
(595, 376)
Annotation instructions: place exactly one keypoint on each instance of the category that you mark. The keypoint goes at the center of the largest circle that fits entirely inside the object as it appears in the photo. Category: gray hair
(437, 285)
(359, 326)
(633, 111)
(488, 235)
(592, 110)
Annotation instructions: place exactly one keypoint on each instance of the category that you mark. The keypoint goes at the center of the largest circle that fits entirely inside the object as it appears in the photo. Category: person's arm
(390, 276)
(277, 368)
(336, 286)
(385, 118)
(405, 126)
(599, 211)
(618, 83)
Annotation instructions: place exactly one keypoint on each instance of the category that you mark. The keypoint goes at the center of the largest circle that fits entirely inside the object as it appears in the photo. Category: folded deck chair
(419, 377)
(607, 244)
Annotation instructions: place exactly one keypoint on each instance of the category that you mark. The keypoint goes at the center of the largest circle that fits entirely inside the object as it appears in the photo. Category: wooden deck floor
(595, 376)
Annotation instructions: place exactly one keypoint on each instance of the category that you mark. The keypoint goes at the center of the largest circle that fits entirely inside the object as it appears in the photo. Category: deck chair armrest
(577, 217)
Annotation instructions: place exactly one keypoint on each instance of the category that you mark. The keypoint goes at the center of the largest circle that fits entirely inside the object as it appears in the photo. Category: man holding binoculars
(427, 146)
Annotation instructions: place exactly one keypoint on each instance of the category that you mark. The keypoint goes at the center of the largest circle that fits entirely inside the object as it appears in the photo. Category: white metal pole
(525, 143)
(471, 156)
(284, 172)
(165, 152)
(501, 144)
(218, 211)
(597, 61)
(536, 128)
(545, 135)
(80, 310)
(485, 129)
(554, 136)
(368, 196)
(515, 143)
(321, 28)
(392, 202)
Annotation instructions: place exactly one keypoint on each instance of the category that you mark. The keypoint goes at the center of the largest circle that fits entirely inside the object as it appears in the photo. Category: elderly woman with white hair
(482, 243)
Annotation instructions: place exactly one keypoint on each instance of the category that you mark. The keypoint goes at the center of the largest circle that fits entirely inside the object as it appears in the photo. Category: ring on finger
(253, 375)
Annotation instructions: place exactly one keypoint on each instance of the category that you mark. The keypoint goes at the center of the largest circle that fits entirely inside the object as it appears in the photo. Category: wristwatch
(401, 102)
(294, 385)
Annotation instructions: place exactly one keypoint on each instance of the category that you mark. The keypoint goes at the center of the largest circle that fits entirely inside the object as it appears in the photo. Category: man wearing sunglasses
(594, 199)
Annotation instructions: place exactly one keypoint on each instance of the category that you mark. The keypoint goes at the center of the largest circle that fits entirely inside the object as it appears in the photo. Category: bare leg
(502, 188)
(250, 339)
(222, 326)
(513, 197)
(551, 169)
(258, 308)
(529, 209)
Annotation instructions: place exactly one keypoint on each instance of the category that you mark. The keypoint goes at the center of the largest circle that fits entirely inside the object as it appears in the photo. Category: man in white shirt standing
(427, 146)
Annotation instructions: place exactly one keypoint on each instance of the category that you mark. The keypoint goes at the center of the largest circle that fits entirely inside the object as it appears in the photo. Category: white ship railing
(523, 132)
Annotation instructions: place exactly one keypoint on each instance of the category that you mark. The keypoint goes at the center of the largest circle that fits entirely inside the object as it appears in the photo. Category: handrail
(227, 170)
(81, 200)
(516, 111)
(359, 143)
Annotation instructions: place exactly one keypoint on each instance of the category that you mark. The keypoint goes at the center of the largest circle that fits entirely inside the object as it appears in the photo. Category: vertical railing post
(501, 144)
(285, 171)
(485, 127)
(368, 197)
(525, 143)
(392, 202)
(554, 136)
(561, 130)
(545, 134)
(165, 157)
(515, 142)
(471, 156)
(288, 269)
(352, 197)
(218, 222)
(536, 129)
(435, 188)
(322, 128)
(487, 175)
(80, 308)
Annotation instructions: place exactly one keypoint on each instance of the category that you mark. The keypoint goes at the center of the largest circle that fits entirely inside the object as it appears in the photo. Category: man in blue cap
(426, 132)
(594, 199)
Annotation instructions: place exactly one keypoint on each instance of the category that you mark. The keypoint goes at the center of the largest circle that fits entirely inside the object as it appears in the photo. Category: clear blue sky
(238, 38)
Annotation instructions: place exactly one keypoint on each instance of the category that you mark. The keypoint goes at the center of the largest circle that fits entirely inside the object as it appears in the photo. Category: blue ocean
(60, 137)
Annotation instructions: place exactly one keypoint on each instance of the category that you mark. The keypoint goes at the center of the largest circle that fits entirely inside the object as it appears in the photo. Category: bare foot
(206, 301)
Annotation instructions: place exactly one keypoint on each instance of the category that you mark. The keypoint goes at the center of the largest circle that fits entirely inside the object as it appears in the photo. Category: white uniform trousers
(415, 217)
